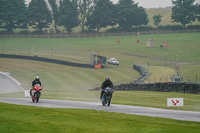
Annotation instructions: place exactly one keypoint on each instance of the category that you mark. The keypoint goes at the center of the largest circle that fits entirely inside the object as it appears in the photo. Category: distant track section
(9, 84)
(42, 59)
(143, 73)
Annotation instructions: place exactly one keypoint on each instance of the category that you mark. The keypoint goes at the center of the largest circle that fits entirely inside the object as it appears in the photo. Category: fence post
(196, 78)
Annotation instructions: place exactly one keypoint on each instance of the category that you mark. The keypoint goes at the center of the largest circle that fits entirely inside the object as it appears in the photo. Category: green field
(71, 83)
(183, 46)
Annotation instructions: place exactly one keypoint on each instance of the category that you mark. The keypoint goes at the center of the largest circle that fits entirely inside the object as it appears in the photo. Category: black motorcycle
(107, 96)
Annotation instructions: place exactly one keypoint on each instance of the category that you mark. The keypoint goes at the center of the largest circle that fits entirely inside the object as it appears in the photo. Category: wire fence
(98, 34)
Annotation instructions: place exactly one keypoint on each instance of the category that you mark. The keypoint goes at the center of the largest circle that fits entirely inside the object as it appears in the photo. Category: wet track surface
(49, 103)
(154, 112)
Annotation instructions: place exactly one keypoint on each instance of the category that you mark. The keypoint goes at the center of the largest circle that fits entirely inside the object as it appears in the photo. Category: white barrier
(27, 93)
(175, 102)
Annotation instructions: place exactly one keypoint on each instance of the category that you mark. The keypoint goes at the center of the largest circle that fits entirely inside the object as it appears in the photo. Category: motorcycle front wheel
(104, 100)
(109, 100)
(33, 100)
(37, 96)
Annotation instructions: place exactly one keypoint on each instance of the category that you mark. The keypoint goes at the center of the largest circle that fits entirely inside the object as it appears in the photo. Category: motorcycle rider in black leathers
(106, 83)
(34, 82)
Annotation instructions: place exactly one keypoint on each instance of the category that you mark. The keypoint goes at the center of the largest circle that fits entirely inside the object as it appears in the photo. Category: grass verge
(16, 118)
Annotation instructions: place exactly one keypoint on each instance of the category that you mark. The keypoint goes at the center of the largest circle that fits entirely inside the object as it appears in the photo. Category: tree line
(93, 14)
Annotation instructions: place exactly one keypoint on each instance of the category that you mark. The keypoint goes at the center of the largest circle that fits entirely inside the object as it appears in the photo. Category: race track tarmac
(153, 112)
(9, 84)
(136, 110)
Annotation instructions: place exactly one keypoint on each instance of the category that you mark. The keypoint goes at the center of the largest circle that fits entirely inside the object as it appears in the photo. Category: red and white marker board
(175, 102)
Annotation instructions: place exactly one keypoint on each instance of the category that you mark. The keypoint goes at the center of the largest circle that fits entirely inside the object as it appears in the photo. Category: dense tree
(157, 19)
(141, 17)
(184, 11)
(129, 14)
(39, 14)
(85, 7)
(54, 12)
(103, 15)
(198, 13)
(68, 15)
(13, 14)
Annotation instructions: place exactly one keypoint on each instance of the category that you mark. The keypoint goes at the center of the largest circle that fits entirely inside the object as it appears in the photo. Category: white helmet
(37, 78)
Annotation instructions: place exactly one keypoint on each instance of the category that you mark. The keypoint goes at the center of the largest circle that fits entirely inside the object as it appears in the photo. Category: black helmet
(37, 78)
(107, 79)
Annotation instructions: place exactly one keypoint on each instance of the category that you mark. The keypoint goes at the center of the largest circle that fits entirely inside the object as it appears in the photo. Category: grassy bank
(183, 46)
(70, 83)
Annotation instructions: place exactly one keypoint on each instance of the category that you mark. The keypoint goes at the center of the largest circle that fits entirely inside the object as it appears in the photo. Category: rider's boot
(31, 92)
(101, 95)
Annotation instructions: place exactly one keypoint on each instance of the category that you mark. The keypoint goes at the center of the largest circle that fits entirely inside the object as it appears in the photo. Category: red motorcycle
(36, 92)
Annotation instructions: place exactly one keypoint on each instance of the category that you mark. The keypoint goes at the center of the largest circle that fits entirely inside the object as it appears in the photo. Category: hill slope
(166, 16)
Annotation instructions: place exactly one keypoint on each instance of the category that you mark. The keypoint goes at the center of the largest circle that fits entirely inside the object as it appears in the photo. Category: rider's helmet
(37, 78)
(107, 79)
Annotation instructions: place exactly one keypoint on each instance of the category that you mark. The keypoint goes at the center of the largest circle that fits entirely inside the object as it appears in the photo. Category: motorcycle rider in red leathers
(34, 82)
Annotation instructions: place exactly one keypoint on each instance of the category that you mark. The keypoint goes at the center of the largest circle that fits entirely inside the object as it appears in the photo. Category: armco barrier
(36, 58)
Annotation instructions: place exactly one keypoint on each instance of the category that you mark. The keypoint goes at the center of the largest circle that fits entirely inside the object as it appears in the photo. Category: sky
(153, 3)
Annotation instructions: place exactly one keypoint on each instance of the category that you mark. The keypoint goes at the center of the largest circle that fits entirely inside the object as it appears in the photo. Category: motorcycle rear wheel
(108, 103)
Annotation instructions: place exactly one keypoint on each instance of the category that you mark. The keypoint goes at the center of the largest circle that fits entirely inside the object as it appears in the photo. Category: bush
(115, 30)
(133, 29)
(3, 32)
(193, 27)
(25, 32)
(171, 27)
(142, 28)
(37, 32)
(46, 31)
(51, 31)
(89, 31)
